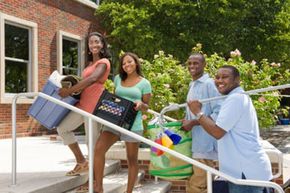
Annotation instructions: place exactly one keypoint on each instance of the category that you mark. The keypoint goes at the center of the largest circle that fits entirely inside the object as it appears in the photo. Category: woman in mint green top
(134, 94)
(131, 85)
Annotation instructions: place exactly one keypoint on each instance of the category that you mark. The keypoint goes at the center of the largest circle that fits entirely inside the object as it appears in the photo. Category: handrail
(91, 117)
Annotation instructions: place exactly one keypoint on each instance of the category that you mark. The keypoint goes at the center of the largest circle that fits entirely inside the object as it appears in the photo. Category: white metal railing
(91, 117)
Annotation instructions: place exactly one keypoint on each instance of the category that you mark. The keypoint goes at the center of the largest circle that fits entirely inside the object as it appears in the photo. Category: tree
(258, 28)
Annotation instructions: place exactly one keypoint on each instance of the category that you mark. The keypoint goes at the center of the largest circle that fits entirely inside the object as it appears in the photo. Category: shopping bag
(165, 165)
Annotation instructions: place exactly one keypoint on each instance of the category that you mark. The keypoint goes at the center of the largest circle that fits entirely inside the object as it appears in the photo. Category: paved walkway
(280, 138)
(39, 161)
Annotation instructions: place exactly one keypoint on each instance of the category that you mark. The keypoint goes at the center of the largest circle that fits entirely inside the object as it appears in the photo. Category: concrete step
(117, 182)
(50, 182)
(153, 187)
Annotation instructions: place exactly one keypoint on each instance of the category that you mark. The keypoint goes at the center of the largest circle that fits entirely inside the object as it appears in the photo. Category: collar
(203, 78)
(239, 89)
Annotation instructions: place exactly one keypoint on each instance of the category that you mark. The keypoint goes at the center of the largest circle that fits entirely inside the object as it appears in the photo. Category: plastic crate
(48, 113)
(116, 110)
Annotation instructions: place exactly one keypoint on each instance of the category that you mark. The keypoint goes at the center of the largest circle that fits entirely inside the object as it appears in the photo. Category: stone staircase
(42, 164)
(115, 178)
(117, 183)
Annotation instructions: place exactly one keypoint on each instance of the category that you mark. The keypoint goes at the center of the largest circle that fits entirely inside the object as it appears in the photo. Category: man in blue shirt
(236, 129)
(204, 147)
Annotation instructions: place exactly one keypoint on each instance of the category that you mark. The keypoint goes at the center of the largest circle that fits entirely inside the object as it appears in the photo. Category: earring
(90, 53)
(102, 51)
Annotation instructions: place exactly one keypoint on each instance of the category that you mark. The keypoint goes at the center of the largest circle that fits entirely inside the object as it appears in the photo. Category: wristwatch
(199, 115)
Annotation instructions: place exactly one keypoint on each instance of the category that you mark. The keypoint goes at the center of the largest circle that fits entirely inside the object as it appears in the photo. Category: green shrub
(170, 80)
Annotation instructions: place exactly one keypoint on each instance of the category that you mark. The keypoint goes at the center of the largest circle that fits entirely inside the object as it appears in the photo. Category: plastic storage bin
(48, 113)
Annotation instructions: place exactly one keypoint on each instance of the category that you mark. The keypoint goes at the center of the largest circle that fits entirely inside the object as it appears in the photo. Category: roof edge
(88, 3)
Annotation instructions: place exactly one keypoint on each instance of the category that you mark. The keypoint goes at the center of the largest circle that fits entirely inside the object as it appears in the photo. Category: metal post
(156, 180)
(209, 182)
(91, 157)
(14, 140)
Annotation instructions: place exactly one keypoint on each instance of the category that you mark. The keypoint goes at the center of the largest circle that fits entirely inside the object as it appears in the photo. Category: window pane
(16, 42)
(70, 57)
(15, 77)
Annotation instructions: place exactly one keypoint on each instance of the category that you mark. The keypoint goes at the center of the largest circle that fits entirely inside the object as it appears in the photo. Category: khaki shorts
(122, 136)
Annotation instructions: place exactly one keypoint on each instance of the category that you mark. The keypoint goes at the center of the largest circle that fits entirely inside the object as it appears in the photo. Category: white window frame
(81, 49)
(6, 98)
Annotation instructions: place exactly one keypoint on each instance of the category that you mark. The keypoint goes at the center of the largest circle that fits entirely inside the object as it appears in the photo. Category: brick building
(36, 38)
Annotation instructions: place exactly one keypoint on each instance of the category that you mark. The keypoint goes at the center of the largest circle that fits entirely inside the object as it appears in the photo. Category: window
(70, 57)
(18, 59)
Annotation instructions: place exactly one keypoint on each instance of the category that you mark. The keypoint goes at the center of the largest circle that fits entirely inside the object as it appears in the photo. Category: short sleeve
(230, 112)
(146, 87)
(108, 69)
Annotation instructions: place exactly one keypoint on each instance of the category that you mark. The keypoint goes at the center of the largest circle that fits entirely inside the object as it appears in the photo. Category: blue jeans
(234, 188)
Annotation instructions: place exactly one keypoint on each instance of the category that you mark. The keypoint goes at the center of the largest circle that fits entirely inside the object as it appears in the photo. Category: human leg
(132, 159)
(96, 130)
(197, 182)
(65, 130)
(105, 141)
(97, 127)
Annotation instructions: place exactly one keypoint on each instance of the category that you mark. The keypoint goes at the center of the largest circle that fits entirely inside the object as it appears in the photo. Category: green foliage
(109, 85)
(259, 28)
(169, 80)
(255, 76)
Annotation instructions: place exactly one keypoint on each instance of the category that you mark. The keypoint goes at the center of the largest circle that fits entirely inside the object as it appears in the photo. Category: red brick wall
(51, 16)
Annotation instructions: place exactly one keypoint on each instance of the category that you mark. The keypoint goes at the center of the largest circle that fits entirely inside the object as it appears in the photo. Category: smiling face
(195, 65)
(226, 81)
(95, 44)
(129, 65)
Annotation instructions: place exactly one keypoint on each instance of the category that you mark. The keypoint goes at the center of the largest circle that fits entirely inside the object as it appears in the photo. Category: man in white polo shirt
(236, 129)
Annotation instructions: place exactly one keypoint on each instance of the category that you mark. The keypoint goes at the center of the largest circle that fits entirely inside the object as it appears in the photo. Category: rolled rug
(69, 81)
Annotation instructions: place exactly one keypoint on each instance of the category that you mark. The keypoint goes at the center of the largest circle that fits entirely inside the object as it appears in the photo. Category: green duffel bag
(167, 166)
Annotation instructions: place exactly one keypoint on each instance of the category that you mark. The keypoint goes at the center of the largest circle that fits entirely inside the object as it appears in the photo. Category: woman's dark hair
(122, 73)
(104, 53)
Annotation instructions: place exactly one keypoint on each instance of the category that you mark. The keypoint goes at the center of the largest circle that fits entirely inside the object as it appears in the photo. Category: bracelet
(199, 115)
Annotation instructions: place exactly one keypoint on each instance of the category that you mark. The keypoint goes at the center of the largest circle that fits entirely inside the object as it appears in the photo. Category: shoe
(80, 168)
(83, 188)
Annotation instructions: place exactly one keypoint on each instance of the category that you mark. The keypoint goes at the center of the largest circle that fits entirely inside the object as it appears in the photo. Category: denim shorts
(122, 136)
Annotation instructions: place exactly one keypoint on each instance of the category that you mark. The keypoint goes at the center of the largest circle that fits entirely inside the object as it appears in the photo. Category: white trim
(33, 56)
(88, 3)
(81, 48)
